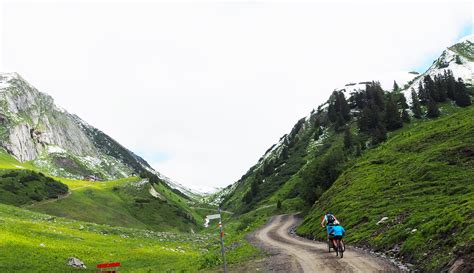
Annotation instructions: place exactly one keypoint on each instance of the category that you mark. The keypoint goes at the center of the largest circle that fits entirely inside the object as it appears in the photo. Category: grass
(121, 221)
(124, 202)
(116, 202)
(9, 162)
(421, 179)
(34, 242)
(238, 249)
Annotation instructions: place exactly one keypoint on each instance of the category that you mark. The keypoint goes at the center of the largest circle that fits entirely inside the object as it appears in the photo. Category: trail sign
(211, 217)
(114, 266)
(221, 233)
(222, 241)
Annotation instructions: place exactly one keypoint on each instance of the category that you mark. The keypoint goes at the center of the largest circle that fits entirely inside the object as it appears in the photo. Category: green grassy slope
(125, 202)
(34, 242)
(273, 173)
(422, 180)
(9, 162)
(118, 202)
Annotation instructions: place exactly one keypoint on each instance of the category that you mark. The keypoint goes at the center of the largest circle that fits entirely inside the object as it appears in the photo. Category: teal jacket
(337, 230)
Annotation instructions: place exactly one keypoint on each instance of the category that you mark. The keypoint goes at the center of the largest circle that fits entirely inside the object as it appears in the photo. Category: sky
(202, 89)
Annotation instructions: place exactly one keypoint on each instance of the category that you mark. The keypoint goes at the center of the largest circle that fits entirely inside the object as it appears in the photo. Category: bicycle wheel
(329, 246)
(336, 248)
(340, 247)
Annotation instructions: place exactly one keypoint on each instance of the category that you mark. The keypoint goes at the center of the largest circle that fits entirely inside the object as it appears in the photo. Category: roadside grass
(422, 180)
(34, 242)
(238, 249)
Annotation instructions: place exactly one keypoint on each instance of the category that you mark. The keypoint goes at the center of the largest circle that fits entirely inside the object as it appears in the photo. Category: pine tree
(268, 168)
(393, 120)
(363, 121)
(284, 153)
(462, 98)
(450, 84)
(458, 59)
(254, 189)
(405, 116)
(395, 86)
(348, 139)
(416, 107)
(340, 122)
(379, 96)
(432, 109)
(430, 88)
(402, 100)
(332, 114)
(441, 88)
(379, 135)
(421, 93)
(344, 107)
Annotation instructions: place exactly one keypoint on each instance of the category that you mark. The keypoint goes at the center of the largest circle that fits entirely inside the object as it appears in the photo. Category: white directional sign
(211, 217)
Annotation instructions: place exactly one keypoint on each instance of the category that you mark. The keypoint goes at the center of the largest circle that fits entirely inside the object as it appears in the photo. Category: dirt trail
(296, 254)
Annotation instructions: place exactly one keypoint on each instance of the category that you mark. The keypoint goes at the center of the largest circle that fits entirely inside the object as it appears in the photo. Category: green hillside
(411, 163)
(34, 242)
(421, 179)
(125, 202)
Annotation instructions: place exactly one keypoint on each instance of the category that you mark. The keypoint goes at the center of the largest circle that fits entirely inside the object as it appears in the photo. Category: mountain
(458, 59)
(318, 164)
(281, 171)
(54, 162)
(412, 197)
(55, 141)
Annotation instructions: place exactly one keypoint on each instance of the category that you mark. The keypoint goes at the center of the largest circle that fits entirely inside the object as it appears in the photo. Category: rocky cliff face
(34, 129)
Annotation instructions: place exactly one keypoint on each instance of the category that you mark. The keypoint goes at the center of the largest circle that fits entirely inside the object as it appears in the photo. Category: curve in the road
(313, 256)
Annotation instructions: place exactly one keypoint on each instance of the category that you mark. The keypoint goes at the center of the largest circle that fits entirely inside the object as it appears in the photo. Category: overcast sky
(202, 90)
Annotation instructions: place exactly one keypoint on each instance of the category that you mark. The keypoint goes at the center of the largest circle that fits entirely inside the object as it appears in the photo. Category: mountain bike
(329, 241)
(338, 245)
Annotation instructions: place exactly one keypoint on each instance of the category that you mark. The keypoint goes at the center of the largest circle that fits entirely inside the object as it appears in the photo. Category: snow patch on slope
(447, 61)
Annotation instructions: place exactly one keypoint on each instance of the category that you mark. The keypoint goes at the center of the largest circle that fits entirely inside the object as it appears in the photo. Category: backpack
(330, 218)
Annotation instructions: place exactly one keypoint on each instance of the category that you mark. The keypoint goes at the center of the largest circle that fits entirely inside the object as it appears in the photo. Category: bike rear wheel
(340, 246)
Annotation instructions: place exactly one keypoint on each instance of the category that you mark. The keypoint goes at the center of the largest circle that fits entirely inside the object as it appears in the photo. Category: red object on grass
(108, 265)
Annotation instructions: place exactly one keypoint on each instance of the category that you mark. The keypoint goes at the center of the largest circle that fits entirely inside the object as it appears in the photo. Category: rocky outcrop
(35, 121)
(34, 128)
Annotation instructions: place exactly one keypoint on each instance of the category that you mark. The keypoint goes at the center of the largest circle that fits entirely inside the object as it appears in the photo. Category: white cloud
(212, 86)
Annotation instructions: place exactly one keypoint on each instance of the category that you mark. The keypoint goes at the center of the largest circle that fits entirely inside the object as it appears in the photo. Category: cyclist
(336, 232)
(330, 219)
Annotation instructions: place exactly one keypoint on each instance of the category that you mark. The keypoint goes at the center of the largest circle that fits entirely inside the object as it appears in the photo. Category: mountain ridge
(315, 135)
(36, 130)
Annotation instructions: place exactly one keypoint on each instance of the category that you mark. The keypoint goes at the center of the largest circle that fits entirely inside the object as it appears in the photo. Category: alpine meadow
(373, 179)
